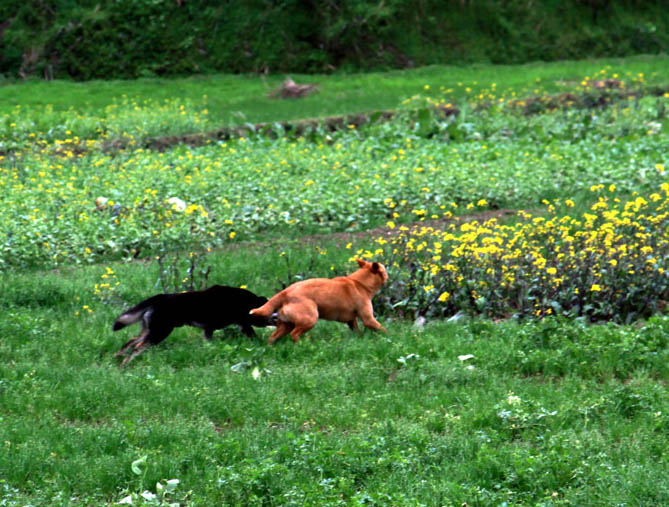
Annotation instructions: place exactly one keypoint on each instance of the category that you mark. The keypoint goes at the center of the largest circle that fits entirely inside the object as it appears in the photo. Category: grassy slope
(240, 99)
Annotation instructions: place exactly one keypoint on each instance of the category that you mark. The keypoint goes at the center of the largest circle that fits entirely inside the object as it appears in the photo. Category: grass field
(452, 408)
(554, 412)
(118, 106)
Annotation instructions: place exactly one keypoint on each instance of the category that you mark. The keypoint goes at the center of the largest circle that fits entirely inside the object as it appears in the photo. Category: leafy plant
(164, 491)
(253, 359)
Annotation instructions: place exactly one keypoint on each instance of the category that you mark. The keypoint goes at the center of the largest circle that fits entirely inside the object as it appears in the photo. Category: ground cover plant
(610, 263)
(491, 386)
(61, 204)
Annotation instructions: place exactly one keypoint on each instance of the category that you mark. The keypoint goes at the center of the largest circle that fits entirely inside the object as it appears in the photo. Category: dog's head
(257, 320)
(376, 269)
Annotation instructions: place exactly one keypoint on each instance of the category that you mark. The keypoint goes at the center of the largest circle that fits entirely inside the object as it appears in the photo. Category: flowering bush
(612, 262)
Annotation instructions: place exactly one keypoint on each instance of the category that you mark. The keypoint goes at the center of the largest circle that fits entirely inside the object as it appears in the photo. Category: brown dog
(344, 299)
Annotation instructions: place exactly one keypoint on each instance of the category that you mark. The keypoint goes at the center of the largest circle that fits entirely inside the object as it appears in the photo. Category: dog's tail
(135, 313)
(268, 309)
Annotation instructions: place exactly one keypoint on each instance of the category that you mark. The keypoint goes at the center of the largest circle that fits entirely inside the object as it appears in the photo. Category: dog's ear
(375, 267)
(361, 263)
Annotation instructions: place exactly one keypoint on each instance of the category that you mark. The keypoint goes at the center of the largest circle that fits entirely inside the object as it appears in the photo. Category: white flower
(177, 204)
(464, 357)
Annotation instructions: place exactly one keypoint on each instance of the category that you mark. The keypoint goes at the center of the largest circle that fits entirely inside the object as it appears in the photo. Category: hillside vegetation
(132, 38)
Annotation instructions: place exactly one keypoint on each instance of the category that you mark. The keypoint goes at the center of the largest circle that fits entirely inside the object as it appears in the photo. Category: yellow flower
(232, 234)
(444, 296)
(595, 288)
(390, 224)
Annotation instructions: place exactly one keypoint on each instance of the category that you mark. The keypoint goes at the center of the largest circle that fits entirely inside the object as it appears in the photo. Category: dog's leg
(131, 343)
(126, 346)
(299, 330)
(353, 324)
(146, 338)
(303, 314)
(282, 329)
(141, 347)
(374, 325)
(367, 317)
(134, 342)
(208, 334)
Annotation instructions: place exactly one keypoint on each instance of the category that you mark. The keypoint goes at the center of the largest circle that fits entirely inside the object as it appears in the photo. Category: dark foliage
(133, 38)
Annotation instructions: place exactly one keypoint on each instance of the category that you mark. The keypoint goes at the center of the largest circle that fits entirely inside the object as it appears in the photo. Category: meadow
(526, 240)
(34, 110)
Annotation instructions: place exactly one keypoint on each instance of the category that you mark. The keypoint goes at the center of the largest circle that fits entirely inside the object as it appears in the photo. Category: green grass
(392, 418)
(233, 99)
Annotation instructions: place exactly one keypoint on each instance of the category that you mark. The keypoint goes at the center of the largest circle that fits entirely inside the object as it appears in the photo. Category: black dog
(210, 309)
